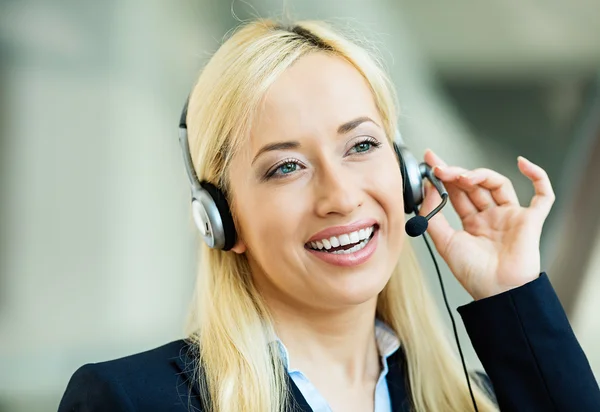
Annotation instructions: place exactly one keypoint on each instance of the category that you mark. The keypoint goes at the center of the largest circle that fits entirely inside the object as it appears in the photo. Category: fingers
(499, 187)
(432, 159)
(479, 189)
(544, 196)
(467, 196)
(472, 191)
(459, 198)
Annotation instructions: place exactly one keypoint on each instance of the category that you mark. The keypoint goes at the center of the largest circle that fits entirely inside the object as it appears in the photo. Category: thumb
(439, 229)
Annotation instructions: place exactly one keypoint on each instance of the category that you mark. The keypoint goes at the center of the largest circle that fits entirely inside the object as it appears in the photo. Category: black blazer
(522, 337)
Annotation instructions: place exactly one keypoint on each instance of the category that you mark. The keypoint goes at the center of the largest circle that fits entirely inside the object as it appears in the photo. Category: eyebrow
(276, 146)
(353, 124)
(344, 128)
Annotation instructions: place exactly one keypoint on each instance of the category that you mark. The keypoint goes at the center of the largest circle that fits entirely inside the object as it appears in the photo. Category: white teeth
(361, 236)
(344, 240)
(353, 249)
(365, 233)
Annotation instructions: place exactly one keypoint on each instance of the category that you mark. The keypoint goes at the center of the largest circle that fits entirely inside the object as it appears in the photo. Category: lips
(341, 230)
(354, 256)
(348, 245)
(345, 241)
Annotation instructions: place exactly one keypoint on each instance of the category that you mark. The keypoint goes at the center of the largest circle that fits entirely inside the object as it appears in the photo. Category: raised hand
(499, 246)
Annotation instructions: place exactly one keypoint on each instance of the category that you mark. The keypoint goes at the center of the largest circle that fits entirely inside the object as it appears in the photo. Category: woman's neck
(342, 342)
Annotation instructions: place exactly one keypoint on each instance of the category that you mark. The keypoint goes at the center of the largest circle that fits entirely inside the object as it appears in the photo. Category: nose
(337, 191)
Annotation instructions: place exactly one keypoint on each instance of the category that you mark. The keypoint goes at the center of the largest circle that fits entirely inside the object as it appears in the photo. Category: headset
(213, 218)
(212, 214)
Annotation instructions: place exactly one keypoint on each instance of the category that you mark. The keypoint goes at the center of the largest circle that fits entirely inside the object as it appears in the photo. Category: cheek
(271, 227)
(270, 219)
(261, 211)
(388, 185)
(387, 191)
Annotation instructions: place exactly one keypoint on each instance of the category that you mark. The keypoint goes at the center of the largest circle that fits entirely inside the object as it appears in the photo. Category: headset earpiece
(224, 235)
(210, 209)
(412, 176)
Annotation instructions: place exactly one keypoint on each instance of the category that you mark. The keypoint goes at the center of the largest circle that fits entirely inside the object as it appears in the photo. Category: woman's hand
(498, 248)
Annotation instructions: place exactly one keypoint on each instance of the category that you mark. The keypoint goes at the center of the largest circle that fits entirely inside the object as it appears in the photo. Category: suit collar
(397, 380)
(187, 363)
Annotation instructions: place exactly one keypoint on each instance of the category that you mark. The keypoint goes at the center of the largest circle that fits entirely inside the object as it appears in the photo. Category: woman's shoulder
(151, 365)
(157, 379)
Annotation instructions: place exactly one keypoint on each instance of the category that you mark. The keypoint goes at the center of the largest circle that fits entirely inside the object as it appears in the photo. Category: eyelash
(374, 143)
(271, 174)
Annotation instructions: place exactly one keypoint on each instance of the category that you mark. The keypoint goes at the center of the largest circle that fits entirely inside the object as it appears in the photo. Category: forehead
(312, 97)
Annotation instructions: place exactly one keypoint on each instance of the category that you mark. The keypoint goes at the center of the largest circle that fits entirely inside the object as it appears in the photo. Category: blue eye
(365, 146)
(283, 169)
(288, 168)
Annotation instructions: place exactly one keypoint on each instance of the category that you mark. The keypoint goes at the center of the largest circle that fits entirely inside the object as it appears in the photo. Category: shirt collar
(386, 339)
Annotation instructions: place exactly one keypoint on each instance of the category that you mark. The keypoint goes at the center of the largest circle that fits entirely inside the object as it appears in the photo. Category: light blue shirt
(387, 343)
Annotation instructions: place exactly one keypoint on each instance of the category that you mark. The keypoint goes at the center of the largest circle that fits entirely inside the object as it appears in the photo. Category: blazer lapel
(397, 382)
(188, 383)
(297, 401)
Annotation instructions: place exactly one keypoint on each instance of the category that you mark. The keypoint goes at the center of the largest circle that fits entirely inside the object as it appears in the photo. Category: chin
(353, 291)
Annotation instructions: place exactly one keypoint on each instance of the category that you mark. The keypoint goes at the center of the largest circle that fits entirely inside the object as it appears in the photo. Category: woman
(319, 304)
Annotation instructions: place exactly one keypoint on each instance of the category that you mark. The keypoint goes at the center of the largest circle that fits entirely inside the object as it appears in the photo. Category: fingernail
(524, 159)
(440, 168)
(465, 176)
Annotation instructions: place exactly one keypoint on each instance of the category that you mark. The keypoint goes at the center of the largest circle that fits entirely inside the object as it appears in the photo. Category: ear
(239, 247)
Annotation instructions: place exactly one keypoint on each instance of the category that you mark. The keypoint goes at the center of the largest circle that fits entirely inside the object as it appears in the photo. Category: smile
(347, 249)
(344, 244)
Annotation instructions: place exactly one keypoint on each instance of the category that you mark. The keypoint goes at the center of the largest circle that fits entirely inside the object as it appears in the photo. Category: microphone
(417, 225)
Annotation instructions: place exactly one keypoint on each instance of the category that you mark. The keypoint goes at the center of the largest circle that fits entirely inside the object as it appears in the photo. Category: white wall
(97, 249)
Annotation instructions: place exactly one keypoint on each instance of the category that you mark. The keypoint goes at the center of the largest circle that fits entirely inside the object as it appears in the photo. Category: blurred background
(97, 254)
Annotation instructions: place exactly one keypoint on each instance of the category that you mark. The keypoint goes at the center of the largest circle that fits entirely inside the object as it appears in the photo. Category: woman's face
(317, 189)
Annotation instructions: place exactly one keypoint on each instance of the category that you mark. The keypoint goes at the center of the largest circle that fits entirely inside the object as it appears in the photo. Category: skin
(324, 314)
(499, 246)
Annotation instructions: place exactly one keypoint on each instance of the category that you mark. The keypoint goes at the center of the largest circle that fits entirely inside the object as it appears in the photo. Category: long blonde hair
(229, 321)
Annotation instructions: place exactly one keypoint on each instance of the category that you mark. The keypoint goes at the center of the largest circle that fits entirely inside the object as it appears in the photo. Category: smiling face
(317, 190)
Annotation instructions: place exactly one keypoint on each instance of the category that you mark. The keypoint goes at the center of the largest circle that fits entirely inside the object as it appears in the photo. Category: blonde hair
(239, 370)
